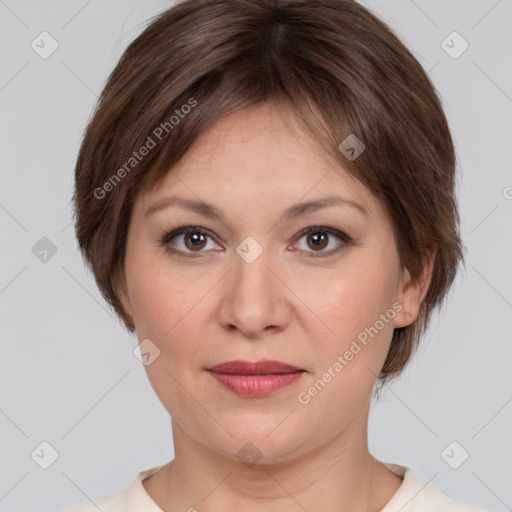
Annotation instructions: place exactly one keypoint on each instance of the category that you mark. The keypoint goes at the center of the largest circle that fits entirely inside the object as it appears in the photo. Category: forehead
(260, 152)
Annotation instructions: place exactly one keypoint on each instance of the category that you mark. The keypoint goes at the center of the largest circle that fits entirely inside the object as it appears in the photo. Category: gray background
(68, 375)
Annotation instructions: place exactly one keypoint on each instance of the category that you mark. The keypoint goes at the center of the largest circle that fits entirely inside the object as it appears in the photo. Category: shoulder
(433, 500)
(131, 499)
(415, 496)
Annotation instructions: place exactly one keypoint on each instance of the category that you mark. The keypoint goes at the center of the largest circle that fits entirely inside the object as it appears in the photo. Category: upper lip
(240, 367)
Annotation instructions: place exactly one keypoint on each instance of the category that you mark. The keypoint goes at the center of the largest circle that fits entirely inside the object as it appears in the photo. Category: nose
(255, 298)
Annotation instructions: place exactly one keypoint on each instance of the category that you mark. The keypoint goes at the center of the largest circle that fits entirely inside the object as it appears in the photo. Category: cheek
(348, 305)
(172, 309)
(163, 299)
(353, 346)
(169, 320)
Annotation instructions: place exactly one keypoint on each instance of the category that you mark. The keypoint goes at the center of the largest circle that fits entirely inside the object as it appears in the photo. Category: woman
(265, 195)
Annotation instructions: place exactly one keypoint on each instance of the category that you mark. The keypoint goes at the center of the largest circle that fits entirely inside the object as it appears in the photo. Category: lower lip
(256, 385)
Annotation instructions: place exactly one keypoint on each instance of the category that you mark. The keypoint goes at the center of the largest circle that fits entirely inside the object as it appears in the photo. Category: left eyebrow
(312, 206)
(296, 210)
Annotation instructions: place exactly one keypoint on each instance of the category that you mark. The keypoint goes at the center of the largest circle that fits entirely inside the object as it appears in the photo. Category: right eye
(194, 239)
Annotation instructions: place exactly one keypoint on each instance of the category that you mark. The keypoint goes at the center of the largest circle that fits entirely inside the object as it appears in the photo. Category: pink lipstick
(255, 379)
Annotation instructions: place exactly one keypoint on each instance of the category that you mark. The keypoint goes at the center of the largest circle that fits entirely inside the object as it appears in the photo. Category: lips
(255, 379)
(240, 367)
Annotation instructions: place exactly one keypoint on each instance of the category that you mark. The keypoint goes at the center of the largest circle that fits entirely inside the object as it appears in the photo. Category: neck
(340, 475)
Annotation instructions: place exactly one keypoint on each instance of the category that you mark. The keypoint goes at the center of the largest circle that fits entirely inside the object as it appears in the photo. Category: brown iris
(197, 240)
(319, 240)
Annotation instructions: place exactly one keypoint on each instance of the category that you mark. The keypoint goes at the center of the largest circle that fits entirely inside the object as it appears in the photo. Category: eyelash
(182, 229)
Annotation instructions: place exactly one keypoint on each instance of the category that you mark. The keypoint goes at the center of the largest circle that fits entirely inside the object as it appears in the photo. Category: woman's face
(247, 284)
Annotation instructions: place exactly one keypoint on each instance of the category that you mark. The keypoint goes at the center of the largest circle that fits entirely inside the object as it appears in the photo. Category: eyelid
(346, 240)
(182, 229)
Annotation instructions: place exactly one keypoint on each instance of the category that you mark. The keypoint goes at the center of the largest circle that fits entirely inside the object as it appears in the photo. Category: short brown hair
(339, 68)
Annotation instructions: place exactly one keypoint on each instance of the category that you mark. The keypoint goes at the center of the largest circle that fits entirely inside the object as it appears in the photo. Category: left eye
(318, 238)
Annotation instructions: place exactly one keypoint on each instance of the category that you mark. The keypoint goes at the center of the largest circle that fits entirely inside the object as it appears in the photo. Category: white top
(412, 496)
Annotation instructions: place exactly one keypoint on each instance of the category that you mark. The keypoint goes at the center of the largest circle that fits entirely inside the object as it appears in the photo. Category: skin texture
(285, 306)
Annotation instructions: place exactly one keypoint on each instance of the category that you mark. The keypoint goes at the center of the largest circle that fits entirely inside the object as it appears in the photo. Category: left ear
(410, 294)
